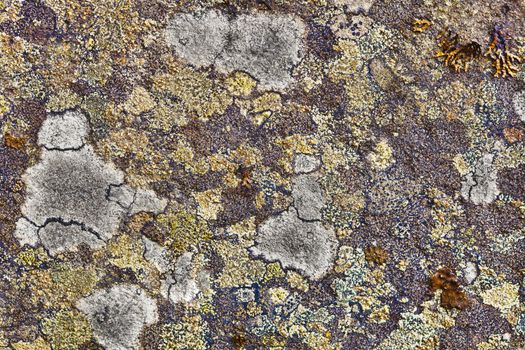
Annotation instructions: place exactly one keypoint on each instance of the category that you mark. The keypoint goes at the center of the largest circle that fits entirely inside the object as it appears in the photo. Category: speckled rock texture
(262, 174)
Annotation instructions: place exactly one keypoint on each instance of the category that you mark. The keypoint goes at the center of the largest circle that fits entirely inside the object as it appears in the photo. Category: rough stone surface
(118, 315)
(209, 175)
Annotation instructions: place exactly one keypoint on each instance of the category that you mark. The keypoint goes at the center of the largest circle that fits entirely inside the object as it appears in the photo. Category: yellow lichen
(67, 329)
(4, 105)
(62, 284)
(37, 344)
(139, 101)
(278, 295)
(209, 203)
(189, 333)
(273, 270)
(199, 95)
(503, 297)
(240, 84)
(183, 230)
(239, 268)
(127, 252)
(381, 157)
(62, 100)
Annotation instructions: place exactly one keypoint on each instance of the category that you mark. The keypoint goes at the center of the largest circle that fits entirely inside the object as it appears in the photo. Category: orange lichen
(503, 56)
(375, 254)
(420, 25)
(13, 141)
(245, 175)
(513, 135)
(452, 295)
(458, 56)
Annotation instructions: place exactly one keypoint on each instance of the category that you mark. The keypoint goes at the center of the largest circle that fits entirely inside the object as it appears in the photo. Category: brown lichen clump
(375, 254)
(452, 295)
(458, 56)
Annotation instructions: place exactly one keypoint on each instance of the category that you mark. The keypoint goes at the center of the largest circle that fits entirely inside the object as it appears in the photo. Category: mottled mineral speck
(118, 315)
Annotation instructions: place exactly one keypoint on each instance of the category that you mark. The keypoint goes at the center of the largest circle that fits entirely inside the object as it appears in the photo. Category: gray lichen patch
(200, 37)
(481, 186)
(518, 102)
(308, 197)
(136, 200)
(156, 255)
(147, 200)
(267, 46)
(355, 5)
(305, 246)
(71, 186)
(118, 315)
(64, 131)
(177, 282)
(26, 232)
(59, 237)
(180, 286)
(306, 163)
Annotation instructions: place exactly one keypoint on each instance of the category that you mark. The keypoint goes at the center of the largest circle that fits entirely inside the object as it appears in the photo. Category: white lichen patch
(480, 186)
(64, 131)
(73, 196)
(267, 46)
(355, 5)
(303, 245)
(178, 284)
(519, 104)
(118, 315)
